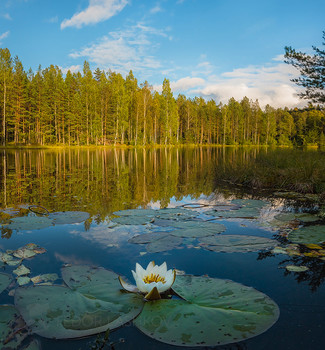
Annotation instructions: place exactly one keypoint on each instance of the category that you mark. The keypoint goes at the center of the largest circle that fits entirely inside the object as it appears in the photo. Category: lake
(63, 202)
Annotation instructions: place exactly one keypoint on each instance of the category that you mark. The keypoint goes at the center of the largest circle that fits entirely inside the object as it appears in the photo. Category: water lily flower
(151, 281)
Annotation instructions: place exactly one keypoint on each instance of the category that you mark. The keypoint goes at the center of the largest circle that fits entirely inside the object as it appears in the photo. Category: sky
(216, 49)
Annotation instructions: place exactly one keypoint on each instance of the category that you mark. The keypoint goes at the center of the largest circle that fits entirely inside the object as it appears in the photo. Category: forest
(104, 108)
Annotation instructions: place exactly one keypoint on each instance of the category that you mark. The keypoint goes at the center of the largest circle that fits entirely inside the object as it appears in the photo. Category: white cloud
(97, 11)
(4, 36)
(54, 19)
(6, 16)
(156, 9)
(183, 84)
(124, 50)
(73, 69)
(269, 84)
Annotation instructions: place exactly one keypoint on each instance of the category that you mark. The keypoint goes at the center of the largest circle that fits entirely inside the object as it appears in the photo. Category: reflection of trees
(101, 181)
(314, 276)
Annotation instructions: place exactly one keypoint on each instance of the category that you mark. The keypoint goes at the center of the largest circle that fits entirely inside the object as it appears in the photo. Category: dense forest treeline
(103, 108)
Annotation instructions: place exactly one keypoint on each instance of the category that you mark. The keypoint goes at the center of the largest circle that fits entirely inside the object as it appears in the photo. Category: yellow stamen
(153, 278)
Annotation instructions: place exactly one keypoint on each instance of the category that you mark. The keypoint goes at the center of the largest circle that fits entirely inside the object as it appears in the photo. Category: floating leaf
(196, 229)
(22, 280)
(294, 268)
(29, 223)
(136, 212)
(4, 281)
(21, 270)
(214, 312)
(132, 220)
(147, 237)
(11, 335)
(308, 235)
(68, 217)
(252, 203)
(48, 277)
(24, 253)
(236, 243)
(94, 304)
(305, 217)
(177, 214)
(239, 213)
(163, 244)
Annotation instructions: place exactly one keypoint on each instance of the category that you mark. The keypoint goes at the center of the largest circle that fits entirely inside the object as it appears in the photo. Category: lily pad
(21, 270)
(294, 268)
(305, 217)
(29, 223)
(239, 213)
(48, 277)
(314, 234)
(5, 280)
(68, 217)
(252, 203)
(132, 220)
(136, 212)
(22, 280)
(147, 237)
(11, 335)
(24, 253)
(214, 312)
(237, 243)
(164, 244)
(176, 214)
(92, 304)
(196, 229)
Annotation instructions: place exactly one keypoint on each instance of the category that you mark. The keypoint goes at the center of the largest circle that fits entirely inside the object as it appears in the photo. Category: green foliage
(103, 108)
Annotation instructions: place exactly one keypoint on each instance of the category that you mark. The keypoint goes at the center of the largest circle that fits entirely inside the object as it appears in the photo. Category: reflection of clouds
(112, 236)
(72, 259)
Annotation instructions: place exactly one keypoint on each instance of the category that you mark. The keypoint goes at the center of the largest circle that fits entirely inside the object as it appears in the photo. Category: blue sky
(211, 48)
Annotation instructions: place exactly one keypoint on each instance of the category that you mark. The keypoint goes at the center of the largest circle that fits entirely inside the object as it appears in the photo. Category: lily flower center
(153, 278)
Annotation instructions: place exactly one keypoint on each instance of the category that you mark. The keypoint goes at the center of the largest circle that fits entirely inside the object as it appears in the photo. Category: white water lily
(151, 281)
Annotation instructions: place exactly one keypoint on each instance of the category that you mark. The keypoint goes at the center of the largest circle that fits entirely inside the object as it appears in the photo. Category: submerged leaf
(214, 312)
(21, 270)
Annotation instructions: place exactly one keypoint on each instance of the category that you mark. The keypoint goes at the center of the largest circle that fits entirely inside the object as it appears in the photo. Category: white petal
(163, 268)
(139, 270)
(161, 287)
(142, 286)
(134, 276)
(150, 267)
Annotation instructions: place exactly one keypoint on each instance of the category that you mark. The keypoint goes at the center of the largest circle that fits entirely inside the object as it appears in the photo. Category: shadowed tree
(312, 71)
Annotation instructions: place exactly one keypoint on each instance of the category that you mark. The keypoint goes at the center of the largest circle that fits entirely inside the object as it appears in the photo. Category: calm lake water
(102, 181)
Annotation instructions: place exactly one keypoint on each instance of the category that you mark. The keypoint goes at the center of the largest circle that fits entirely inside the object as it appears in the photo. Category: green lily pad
(22, 280)
(10, 324)
(176, 214)
(48, 277)
(21, 270)
(252, 203)
(305, 217)
(308, 235)
(136, 212)
(237, 243)
(214, 312)
(132, 220)
(29, 223)
(147, 237)
(68, 217)
(5, 280)
(195, 229)
(294, 268)
(164, 244)
(92, 304)
(239, 213)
